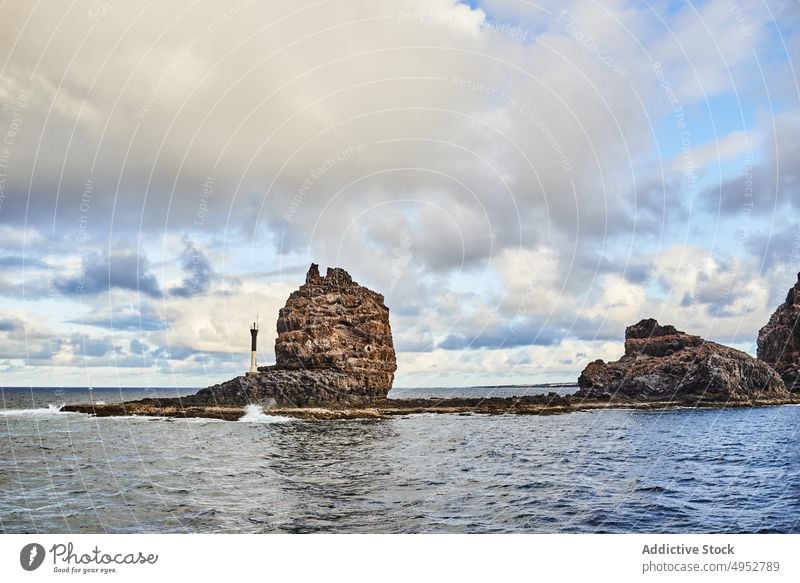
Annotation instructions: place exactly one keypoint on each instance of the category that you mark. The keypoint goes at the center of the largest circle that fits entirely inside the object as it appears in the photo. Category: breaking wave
(255, 414)
(49, 410)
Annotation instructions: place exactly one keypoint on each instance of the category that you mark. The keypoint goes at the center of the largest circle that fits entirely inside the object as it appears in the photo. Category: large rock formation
(334, 346)
(332, 323)
(665, 364)
(779, 340)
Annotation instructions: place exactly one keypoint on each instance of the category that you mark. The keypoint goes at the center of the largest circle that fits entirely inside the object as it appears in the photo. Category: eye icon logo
(31, 556)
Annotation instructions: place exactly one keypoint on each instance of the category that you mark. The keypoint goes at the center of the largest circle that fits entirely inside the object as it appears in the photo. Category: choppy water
(732, 470)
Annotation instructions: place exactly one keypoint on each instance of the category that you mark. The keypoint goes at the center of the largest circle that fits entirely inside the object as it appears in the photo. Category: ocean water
(680, 470)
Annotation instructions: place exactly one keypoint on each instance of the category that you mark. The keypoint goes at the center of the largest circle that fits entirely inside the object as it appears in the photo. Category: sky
(521, 180)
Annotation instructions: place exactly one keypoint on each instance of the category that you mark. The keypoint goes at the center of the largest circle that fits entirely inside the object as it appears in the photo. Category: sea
(610, 471)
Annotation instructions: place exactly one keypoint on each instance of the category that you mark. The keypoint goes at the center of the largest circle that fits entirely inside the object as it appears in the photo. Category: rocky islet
(662, 363)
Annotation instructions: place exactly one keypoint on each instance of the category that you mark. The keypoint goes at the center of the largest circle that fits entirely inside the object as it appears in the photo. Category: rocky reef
(551, 404)
(662, 363)
(779, 339)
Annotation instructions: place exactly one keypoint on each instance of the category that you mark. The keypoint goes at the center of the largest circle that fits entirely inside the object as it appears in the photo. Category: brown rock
(665, 364)
(779, 340)
(332, 323)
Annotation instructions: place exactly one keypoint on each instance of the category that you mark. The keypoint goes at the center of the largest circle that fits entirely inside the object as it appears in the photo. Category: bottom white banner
(448, 557)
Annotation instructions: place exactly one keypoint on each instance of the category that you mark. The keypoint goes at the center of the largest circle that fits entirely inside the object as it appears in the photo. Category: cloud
(776, 248)
(768, 184)
(526, 334)
(142, 317)
(9, 325)
(173, 352)
(87, 346)
(350, 127)
(25, 338)
(124, 269)
(201, 273)
(9, 261)
(137, 347)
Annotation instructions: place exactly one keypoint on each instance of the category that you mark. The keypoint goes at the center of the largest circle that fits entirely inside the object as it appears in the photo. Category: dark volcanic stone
(779, 340)
(665, 364)
(649, 328)
(290, 388)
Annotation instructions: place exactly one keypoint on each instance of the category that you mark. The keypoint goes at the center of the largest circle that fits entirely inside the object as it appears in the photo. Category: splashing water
(255, 414)
(50, 410)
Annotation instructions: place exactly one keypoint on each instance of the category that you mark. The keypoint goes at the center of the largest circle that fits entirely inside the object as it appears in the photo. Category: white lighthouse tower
(253, 337)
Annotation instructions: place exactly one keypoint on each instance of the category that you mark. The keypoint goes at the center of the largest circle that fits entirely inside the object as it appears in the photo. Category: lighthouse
(253, 337)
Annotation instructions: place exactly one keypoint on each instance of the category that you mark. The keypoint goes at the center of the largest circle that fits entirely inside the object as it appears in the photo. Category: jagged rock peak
(335, 276)
(649, 328)
(312, 277)
(338, 276)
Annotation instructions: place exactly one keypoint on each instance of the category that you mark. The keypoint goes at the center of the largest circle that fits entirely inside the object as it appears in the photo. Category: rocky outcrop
(779, 340)
(665, 364)
(332, 323)
(290, 388)
(334, 347)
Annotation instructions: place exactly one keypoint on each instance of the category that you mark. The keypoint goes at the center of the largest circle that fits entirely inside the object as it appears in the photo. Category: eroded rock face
(332, 322)
(779, 340)
(665, 364)
(334, 346)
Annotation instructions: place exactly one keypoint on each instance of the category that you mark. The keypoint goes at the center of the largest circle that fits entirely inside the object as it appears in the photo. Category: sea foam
(255, 414)
(49, 410)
